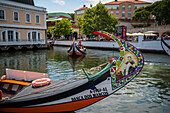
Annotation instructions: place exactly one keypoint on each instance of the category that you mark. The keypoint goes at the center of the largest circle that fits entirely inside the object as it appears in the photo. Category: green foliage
(79, 21)
(160, 9)
(48, 34)
(142, 14)
(97, 18)
(162, 12)
(64, 27)
(168, 33)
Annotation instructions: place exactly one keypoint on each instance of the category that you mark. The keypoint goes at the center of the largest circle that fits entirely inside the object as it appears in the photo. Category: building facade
(80, 11)
(123, 10)
(22, 23)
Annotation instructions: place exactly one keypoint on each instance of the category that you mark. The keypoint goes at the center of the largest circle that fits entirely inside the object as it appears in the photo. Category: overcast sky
(69, 6)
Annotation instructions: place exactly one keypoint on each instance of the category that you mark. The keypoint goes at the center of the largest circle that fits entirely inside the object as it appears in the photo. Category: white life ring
(41, 82)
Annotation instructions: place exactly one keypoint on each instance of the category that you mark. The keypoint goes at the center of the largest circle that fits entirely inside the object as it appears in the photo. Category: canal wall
(145, 46)
(22, 45)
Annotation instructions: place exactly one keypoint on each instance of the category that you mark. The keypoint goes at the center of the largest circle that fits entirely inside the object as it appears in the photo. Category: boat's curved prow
(165, 45)
(128, 65)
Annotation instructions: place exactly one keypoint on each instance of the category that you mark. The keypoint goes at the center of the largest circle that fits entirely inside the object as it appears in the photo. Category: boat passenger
(79, 44)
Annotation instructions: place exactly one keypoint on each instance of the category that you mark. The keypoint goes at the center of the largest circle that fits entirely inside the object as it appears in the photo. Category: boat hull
(75, 51)
(98, 90)
(65, 107)
(166, 45)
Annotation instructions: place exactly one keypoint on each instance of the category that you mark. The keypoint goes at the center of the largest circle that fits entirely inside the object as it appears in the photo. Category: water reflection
(75, 60)
(148, 92)
(26, 60)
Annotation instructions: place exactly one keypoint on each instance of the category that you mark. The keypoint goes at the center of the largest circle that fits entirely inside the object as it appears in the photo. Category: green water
(148, 92)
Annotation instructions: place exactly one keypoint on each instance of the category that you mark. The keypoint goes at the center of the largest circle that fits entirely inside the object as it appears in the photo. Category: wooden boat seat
(5, 86)
(8, 89)
(21, 75)
(15, 88)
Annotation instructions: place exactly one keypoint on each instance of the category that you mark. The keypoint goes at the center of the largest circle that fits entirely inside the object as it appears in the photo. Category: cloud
(60, 2)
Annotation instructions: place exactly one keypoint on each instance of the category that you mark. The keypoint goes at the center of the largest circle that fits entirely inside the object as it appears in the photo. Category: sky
(69, 6)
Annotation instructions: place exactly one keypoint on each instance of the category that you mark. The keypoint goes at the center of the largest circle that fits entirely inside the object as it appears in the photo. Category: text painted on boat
(97, 92)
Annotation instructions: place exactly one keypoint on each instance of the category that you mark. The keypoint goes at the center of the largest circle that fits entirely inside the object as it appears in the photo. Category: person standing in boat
(130, 66)
(81, 47)
(79, 44)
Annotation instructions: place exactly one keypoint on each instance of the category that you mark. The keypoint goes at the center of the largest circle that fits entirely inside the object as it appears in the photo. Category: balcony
(22, 42)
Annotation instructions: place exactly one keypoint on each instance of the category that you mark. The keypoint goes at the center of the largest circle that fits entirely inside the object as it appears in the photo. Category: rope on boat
(66, 79)
(61, 82)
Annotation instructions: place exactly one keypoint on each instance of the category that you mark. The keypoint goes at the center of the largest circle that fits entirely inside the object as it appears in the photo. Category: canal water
(148, 92)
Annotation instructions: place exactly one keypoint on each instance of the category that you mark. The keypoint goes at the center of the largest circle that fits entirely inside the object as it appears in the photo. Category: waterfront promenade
(153, 46)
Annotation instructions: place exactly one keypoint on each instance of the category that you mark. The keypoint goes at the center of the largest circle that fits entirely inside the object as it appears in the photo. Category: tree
(64, 27)
(96, 19)
(79, 23)
(160, 9)
(142, 14)
(162, 12)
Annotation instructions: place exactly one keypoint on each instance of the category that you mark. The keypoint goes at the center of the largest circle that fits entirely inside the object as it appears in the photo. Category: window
(2, 14)
(123, 7)
(34, 36)
(3, 36)
(123, 17)
(123, 13)
(136, 7)
(39, 36)
(117, 7)
(16, 16)
(129, 7)
(37, 19)
(28, 18)
(129, 13)
(17, 36)
(29, 36)
(129, 18)
(112, 12)
(10, 35)
(117, 12)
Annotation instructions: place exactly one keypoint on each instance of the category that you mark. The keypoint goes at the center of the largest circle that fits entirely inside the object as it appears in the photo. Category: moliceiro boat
(77, 50)
(165, 43)
(72, 94)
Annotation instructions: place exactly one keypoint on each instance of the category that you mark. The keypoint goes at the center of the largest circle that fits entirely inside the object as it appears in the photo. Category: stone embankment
(145, 46)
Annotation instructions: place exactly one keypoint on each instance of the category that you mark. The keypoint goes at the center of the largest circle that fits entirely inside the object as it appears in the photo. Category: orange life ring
(41, 82)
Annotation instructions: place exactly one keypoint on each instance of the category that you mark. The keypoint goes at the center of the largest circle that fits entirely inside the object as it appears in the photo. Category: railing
(22, 42)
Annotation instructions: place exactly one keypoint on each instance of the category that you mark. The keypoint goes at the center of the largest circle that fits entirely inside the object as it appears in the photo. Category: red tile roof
(83, 8)
(119, 2)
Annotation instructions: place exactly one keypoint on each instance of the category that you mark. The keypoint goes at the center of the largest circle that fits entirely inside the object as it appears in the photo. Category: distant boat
(35, 92)
(165, 43)
(76, 49)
